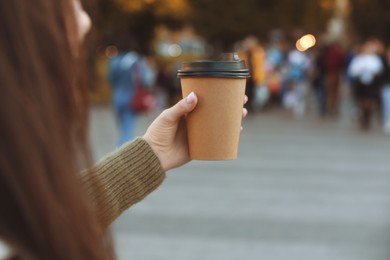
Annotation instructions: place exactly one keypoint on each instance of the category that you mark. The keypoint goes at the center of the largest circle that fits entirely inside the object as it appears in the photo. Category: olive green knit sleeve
(122, 178)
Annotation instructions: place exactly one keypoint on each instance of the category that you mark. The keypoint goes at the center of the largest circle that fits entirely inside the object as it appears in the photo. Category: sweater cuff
(125, 177)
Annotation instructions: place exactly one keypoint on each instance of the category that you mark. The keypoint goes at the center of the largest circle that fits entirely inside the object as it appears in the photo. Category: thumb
(181, 108)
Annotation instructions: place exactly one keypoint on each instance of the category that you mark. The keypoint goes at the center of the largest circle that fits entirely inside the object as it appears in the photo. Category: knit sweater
(118, 181)
(122, 179)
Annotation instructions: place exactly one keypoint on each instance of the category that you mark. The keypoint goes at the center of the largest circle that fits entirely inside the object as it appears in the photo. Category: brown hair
(43, 143)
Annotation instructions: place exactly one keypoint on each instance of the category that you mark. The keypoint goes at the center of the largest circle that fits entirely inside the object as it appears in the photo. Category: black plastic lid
(229, 66)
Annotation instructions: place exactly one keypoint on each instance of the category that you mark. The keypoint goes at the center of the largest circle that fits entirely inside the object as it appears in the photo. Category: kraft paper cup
(213, 128)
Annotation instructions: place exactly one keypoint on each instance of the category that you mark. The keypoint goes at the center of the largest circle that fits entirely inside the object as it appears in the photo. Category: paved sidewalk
(301, 190)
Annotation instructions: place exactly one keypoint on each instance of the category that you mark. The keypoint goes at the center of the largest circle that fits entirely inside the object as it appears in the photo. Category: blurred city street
(310, 80)
(301, 189)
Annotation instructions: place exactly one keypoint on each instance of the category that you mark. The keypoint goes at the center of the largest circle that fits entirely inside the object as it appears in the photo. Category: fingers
(186, 105)
(181, 108)
(244, 112)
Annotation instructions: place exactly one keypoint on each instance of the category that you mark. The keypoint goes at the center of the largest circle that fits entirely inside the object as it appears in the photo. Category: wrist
(156, 151)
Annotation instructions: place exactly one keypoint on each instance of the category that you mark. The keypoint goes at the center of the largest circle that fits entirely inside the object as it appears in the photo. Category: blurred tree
(139, 18)
(223, 22)
(371, 18)
(220, 22)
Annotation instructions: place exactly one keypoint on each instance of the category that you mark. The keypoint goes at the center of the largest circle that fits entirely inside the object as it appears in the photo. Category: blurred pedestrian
(47, 210)
(334, 62)
(365, 69)
(273, 63)
(319, 80)
(254, 56)
(385, 90)
(250, 83)
(123, 71)
(164, 85)
(295, 97)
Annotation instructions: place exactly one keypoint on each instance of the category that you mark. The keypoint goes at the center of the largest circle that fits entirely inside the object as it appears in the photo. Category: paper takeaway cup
(213, 128)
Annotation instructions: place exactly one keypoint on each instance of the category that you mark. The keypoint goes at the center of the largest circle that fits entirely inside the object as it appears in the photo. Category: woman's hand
(167, 135)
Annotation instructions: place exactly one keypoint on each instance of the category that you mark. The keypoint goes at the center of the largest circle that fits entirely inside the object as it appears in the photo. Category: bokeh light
(174, 50)
(305, 42)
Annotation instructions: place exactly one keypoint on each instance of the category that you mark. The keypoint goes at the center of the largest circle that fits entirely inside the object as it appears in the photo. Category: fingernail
(191, 98)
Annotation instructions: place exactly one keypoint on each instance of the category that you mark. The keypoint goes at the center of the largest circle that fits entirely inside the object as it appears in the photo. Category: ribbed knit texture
(122, 178)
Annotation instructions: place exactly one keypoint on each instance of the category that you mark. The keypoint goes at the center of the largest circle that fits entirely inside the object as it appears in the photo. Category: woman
(48, 211)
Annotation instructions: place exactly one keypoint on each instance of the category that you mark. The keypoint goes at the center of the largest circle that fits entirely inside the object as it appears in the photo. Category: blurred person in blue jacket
(121, 76)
